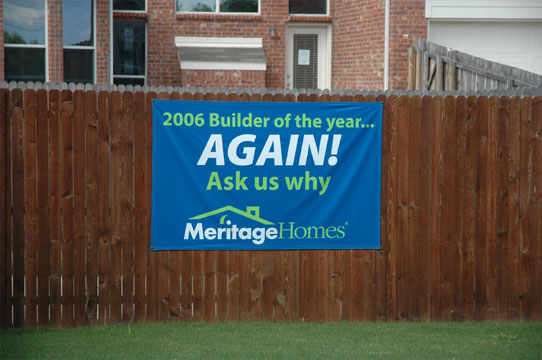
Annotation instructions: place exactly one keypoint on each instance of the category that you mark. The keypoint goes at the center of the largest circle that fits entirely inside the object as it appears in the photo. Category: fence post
(419, 62)
(440, 74)
(452, 84)
(411, 68)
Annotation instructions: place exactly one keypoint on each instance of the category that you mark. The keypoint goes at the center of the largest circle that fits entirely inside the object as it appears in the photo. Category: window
(303, 7)
(218, 6)
(129, 5)
(24, 40)
(129, 52)
(78, 33)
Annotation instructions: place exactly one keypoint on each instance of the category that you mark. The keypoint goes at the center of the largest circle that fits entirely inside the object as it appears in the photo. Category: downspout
(387, 45)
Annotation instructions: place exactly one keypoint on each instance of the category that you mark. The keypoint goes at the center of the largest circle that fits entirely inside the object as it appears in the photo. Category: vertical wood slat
(536, 208)
(151, 265)
(502, 243)
(54, 208)
(471, 167)
(524, 213)
(436, 211)
(103, 221)
(18, 207)
(5, 208)
(91, 218)
(391, 242)
(30, 206)
(67, 243)
(140, 248)
(79, 207)
(481, 210)
(116, 174)
(414, 168)
(402, 205)
(42, 209)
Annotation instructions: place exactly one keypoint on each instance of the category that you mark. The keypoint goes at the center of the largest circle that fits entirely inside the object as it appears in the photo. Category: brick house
(336, 44)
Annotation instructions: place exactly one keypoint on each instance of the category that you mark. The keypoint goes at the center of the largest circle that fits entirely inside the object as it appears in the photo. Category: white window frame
(112, 75)
(218, 12)
(44, 46)
(131, 11)
(93, 47)
(303, 14)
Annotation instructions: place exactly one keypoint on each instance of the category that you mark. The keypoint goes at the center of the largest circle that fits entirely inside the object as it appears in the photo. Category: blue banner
(265, 175)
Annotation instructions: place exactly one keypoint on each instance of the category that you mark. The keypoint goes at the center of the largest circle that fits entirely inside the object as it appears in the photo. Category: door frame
(324, 57)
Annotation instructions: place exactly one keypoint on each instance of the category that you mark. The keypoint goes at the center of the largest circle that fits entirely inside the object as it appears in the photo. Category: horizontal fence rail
(461, 219)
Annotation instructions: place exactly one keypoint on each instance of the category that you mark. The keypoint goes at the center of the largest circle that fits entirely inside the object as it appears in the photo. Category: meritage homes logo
(200, 228)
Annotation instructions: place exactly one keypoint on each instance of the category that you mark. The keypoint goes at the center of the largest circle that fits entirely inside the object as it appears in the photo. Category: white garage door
(516, 44)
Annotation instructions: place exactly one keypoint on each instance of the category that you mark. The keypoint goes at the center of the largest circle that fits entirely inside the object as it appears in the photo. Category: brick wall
(358, 44)
(102, 41)
(55, 55)
(407, 19)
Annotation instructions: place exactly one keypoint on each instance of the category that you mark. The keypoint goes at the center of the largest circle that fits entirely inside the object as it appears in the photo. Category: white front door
(308, 57)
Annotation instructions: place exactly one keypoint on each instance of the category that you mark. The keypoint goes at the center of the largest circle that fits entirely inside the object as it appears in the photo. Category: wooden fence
(461, 220)
(435, 67)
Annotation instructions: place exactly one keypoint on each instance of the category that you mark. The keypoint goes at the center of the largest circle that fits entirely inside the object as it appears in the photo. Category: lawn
(278, 341)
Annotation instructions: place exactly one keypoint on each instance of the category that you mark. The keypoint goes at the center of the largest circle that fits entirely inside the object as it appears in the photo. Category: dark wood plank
(103, 220)
(535, 290)
(267, 285)
(347, 290)
(491, 282)
(380, 255)
(424, 250)
(525, 198)
(222, 286)
(233, 285)
(140, 245)
(127, 204)
(5, 209)
(290, 285)
(117, 173)
(402, 204)
(513, 210)
(210, 286)
(30, 204)
(256, 286)
(79, 207)
(436, 211)
(279, 294)
(471, 166)
(163, 269)
(458, 245)
(482, 197)
(502, 208)
(198, 271)
(66, 117)
(449, 203)
(414, 168)
(186, 286)
(91, 217)
(391, 206)
(357, 278)
(151, 265)
(54, 208)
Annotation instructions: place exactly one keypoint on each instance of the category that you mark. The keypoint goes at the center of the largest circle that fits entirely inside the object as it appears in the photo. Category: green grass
(279, 341)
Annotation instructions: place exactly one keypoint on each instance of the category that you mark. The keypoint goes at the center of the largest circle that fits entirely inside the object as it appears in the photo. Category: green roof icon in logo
(252, 213)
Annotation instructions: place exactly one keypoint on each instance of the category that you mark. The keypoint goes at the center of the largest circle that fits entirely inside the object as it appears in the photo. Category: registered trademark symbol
(346, 223)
